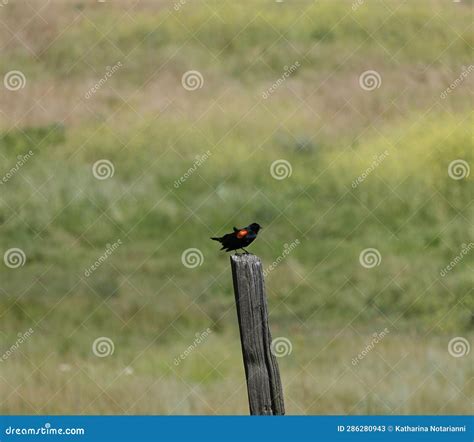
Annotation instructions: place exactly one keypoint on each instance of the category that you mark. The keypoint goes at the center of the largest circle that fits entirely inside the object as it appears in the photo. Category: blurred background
(131, 132)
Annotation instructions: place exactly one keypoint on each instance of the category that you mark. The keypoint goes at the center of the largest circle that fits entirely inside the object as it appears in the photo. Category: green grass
(151, 129)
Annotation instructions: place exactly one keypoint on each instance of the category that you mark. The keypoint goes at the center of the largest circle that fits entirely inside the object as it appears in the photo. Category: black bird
(239, 238)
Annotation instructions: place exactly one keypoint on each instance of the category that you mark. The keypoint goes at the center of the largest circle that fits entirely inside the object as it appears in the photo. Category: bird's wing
(242, 233)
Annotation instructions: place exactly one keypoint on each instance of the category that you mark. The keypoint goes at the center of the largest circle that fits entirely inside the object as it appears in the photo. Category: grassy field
(363, 169)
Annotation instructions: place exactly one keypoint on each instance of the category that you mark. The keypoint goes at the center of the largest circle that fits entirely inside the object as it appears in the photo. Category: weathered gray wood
(261, 369)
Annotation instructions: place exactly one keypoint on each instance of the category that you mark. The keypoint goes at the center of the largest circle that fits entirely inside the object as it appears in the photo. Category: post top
(245, 258)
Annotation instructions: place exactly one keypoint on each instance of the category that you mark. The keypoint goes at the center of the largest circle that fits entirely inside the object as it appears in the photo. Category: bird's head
(255, 227)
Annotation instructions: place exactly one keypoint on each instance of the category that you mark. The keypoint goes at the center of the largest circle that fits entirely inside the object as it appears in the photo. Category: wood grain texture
(261, 368)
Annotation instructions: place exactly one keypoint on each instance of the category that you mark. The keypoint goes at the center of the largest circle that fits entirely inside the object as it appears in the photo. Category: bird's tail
(216, 239)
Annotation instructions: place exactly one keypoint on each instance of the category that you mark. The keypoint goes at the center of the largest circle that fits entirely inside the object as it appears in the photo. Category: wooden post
(261, 369)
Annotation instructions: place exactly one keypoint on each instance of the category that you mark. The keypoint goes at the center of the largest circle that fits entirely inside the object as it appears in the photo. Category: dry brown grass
(403, 374)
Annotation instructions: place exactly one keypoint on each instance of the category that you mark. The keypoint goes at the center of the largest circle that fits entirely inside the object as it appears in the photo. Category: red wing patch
(242, 233)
